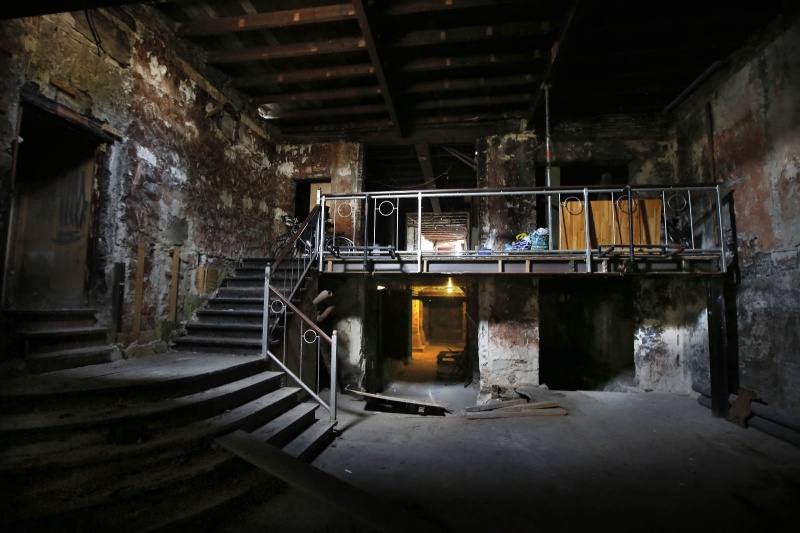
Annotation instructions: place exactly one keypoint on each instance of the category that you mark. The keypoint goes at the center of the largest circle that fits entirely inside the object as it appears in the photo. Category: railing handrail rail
(300, 314)
(300, 229)
(519, 190)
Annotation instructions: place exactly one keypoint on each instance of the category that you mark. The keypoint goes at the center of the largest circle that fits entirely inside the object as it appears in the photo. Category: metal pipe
(664, 212)
(691, 217)
(366, 228)
(630, 223)
(778, 431)
(419, 232)
(334, 344)
(547, 165)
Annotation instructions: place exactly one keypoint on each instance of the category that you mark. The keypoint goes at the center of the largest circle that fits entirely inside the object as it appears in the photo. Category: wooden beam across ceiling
(376, 55)
(287, 51)
(324, 112)
(306, 75)
(473, 83)
(517, 30)
(307, 96)
(443, 103)
(260, 21)
(425, 64)
(409, 7)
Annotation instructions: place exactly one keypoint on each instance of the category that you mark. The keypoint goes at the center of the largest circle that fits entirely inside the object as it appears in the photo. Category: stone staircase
(231, 322)
(56, 339)
(130, 445)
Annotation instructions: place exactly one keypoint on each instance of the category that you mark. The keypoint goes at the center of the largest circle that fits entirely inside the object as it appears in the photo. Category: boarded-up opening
(50, 244)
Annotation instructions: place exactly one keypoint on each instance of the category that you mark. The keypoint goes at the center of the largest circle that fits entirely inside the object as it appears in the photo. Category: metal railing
(282, 280)
(594, 222)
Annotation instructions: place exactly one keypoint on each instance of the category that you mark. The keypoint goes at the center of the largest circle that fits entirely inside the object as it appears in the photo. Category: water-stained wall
(193, 166)
(742, 128)
(508, 333)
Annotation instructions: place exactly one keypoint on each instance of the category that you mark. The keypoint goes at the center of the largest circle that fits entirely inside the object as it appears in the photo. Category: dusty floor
(619, 461)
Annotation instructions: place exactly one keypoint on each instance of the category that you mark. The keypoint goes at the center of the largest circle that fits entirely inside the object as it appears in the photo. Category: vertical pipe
(586, 229)
(664, 212)
(419, 231)
(723, 262)
(630, 223)
(547, 166)
(265, 318)
(397, 225)
(322, 232)
(614, 224)
(691, 216)
(333, 377)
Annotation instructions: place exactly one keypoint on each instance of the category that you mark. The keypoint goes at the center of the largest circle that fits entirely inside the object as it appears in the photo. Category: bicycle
(303, 247)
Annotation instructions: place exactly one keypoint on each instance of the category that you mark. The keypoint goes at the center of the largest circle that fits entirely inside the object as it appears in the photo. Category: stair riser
(216, 349)
(133, 394)
(51, 344)
(236, 306)
(233, 320)
(203, 330)
(317, 446)
(38, 366)
(292, 430)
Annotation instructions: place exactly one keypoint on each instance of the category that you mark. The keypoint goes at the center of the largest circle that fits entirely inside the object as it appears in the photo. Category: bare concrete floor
(617, 461)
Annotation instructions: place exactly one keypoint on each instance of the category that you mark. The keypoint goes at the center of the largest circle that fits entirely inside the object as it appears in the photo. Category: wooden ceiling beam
(472, 83)
(516, 30)
(333, 94)
(444, 103)
(287, 51)
(306, 75)
(410, 7)
(461, 157)
(260, 21)
(430, 135)
(295, 114)
(426, 64)
(378, 61)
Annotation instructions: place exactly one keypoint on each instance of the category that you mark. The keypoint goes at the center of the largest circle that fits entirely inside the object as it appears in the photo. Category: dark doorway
(305, 195)
(50, 245)
(586, 334)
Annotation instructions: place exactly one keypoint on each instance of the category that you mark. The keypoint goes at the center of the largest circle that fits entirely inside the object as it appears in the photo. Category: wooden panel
(608, 223)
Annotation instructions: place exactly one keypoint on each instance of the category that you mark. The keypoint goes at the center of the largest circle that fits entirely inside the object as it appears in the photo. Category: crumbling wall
(506, 161)
(742, 127)
(193, 167)
(508, 333)
(671, 333)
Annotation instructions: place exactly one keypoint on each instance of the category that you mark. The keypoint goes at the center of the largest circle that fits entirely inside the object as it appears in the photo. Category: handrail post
(630, 223)
(366, 228)
(333, 377)
(265, 318)
(586, 229)
(723, 260)
(419, 230)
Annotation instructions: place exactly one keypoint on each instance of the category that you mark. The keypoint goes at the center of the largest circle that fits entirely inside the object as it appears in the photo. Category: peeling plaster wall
(755, 117)
(506, 161)
(508, 333)
(193, 170)
(671, 333)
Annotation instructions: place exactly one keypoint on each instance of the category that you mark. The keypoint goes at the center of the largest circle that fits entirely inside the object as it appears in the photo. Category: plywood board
(609, 223)
(503, 413)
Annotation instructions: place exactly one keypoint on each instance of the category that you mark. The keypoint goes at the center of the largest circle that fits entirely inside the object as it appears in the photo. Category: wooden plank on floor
(533, 405)
(395, 399)
(374, 513)
(555, 411)
(496, 405)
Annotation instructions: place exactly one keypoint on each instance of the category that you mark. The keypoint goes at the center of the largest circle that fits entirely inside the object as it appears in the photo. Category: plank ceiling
(419, 80)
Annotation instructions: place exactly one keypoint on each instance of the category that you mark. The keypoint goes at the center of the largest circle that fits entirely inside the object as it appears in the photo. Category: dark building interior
(249, 245)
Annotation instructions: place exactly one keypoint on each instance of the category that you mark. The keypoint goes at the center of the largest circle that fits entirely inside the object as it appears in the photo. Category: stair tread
(228, 326)
(198, 339)
(299, 446)
(69, 418)
(58, 332)
(123, 374)
(85, 350)
(59, 455)
(273, 429)
(246, 312)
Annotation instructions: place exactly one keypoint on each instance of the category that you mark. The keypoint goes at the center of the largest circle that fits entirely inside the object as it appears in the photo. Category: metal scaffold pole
(547, 166)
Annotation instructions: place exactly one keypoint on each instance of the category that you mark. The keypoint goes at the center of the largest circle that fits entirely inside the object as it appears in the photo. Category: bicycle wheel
(336, 243)
(278, 245)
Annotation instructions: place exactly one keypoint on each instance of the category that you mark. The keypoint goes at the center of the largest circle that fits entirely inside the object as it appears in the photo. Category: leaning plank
(495, 405)
(534, 405)
(556, 411)
(376, 514)
(400, 400)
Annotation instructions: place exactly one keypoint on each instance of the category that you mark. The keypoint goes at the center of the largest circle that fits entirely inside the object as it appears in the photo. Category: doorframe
(103, 134)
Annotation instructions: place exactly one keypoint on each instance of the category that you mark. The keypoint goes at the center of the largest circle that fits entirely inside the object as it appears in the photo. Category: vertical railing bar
(630, 223)
(366, 229)
(265, 333)
(321, 225)
(419, 231)
(333, 377)
(723, 259)
(586, 229)
(375, 213)
(691, 217)
(397, 225)
(614, 225)
(664, 212)
(302, 349)
(317, 364)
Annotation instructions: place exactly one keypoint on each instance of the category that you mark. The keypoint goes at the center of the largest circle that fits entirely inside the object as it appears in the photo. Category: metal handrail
(698, 216)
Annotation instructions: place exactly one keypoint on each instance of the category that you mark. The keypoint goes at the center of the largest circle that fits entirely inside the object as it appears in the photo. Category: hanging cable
(93, 29)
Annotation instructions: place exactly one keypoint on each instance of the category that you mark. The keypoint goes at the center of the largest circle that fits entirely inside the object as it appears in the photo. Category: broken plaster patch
(188, 90)
(286, 169)
(147, 156)
(157, 71)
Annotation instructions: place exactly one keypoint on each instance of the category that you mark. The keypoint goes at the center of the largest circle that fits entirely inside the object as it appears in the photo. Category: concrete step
(240, 292)
(218, 345)
(40, 340)
(37, 363)
(77, 453)
(180, 409)
(231, 316)
(224, 330)
(310, 442)
(245, 304)
(140, 380)
(287, 426)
